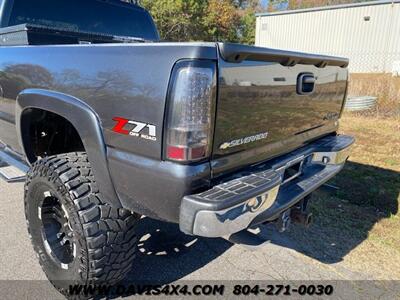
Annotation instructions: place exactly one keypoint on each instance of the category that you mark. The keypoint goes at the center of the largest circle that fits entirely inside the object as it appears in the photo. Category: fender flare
(86, 123)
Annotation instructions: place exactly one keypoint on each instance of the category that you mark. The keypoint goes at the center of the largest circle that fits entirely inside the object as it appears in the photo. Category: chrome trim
(332, 158)
(234, 219)
(201, 217)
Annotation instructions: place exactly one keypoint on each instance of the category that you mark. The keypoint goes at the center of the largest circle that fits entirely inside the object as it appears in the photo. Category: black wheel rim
(58, 236)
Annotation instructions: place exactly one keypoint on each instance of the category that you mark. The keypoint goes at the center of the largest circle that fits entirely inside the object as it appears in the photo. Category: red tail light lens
(191, 109)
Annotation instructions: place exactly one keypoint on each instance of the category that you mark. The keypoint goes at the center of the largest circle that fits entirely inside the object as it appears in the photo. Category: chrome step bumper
(264, 192)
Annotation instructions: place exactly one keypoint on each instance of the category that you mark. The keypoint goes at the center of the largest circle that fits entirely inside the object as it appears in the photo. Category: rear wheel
(78, 236)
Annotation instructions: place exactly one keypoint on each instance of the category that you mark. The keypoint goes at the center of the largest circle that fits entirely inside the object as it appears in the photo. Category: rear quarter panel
(116, 80)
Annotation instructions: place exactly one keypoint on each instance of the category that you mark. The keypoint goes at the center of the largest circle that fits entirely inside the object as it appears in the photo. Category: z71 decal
(135, 128)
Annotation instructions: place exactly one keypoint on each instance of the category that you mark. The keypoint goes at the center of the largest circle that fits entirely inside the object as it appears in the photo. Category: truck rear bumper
(264, 192)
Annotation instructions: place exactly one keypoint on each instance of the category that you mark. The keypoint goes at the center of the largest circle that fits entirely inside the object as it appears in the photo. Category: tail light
(191, 109)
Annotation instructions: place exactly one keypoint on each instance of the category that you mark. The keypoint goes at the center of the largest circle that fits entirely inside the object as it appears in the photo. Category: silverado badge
(243, 141)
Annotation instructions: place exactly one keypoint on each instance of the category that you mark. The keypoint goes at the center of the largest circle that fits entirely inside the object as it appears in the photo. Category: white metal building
(367, 33)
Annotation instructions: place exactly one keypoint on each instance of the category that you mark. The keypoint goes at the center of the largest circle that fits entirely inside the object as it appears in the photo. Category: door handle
(306, 83)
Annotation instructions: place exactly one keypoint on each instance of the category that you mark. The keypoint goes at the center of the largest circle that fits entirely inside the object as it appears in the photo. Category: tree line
(218, 20)
(206, 20)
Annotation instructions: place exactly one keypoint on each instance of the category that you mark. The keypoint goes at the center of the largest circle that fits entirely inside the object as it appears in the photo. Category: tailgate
(272, 101)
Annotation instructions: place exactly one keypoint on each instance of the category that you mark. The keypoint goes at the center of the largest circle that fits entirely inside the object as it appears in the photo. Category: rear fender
(85, 121)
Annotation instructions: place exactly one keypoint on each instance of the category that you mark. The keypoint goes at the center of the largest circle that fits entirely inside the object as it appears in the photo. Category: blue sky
(265, 4)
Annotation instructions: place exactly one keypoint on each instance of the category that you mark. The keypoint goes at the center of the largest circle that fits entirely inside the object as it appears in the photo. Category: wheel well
(45, 133)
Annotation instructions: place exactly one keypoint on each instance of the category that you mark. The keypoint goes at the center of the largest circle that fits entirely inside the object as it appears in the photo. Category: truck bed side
(115, 80)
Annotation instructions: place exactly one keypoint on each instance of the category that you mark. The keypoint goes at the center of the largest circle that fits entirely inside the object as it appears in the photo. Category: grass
(373, 175)
(384, 86)
(358, 224)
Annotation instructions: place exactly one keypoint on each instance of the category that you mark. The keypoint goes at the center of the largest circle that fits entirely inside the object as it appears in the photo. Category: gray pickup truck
(106, 124)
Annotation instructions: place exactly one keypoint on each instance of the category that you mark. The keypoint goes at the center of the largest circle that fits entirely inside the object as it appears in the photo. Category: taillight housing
(191, 110)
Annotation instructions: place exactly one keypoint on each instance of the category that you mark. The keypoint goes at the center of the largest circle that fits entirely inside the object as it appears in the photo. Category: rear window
(89, 15)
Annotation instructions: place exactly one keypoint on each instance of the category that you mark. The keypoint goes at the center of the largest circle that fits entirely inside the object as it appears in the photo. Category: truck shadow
(165, 254)
(344, 216)
(344, 213)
